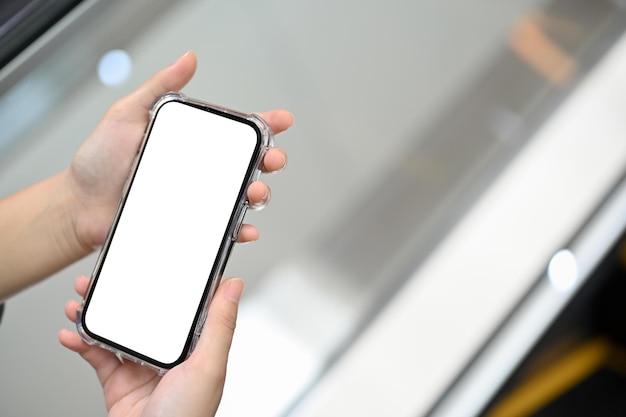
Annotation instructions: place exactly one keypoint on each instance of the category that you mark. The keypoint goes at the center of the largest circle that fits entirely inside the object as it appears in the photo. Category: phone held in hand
(180, 213)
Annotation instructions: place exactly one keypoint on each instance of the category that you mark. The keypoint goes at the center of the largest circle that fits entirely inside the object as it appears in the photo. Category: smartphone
(180, 214)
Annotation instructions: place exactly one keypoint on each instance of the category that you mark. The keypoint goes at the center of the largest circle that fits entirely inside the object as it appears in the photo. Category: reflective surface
(405, 113)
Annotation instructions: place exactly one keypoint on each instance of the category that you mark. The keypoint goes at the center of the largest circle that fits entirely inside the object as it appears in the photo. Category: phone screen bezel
(227, 240)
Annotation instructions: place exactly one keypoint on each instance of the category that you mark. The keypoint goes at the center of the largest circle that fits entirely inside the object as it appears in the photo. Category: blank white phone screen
(178, 208)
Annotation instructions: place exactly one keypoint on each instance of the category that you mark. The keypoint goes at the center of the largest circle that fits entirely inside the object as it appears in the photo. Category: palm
(102, 164)
(192, 388)
(98, 172)
(127, 387)
(96, 178)
(133, 390)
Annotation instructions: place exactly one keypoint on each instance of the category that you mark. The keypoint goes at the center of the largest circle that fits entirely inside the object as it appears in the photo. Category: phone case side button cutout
(239, 222)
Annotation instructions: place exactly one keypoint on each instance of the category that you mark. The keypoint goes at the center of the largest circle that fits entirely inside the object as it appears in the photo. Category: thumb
(171, 78)
(211, 353)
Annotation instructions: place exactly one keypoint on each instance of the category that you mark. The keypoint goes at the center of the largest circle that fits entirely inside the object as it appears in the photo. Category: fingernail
(234, 289)
(180, 58)
(263, 202)
(267, 197)
(285, 159)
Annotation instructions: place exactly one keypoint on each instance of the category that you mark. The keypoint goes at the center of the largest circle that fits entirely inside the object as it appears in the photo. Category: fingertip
(67, 338)
(187, 55)
(171, 78)
(259, 195)
(81, 284)
(187, 61)
(211, 353)
(71, 307)
(72, 341)
(63, 333)
(233, 289)
(287, 117)
(275, 160)
(278, 120)
(248, 234)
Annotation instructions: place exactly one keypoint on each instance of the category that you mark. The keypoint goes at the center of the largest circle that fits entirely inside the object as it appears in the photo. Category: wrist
(65, 212)
(83, 234)
(39, 235)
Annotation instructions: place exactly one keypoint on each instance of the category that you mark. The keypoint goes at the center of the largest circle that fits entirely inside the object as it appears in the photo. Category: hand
(101, 165)
(193, 388)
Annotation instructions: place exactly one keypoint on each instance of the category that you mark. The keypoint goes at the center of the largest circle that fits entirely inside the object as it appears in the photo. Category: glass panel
(23, 21)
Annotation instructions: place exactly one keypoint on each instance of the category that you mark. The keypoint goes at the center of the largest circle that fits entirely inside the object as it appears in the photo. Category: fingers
(275, 160)
(277, 120)
(102, 361)
(211, 354)
(71, 307)
(73, 341)
(259, 195)
(70, 339)
(70, 310)
(248, 233)
(80, 285)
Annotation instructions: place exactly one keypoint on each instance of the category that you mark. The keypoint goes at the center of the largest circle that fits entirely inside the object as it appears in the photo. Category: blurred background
(443, 152)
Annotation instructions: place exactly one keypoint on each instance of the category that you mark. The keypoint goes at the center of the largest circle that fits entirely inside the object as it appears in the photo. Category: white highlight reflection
(114, 67)
(563, 270)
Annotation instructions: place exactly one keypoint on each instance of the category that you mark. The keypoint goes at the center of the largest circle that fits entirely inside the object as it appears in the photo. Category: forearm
(38, 235)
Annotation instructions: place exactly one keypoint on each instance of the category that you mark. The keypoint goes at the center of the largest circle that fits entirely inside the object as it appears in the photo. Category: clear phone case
(231, 233)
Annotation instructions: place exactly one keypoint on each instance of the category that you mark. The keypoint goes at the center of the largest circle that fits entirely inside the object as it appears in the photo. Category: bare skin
(58, 221)
(193, 388)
